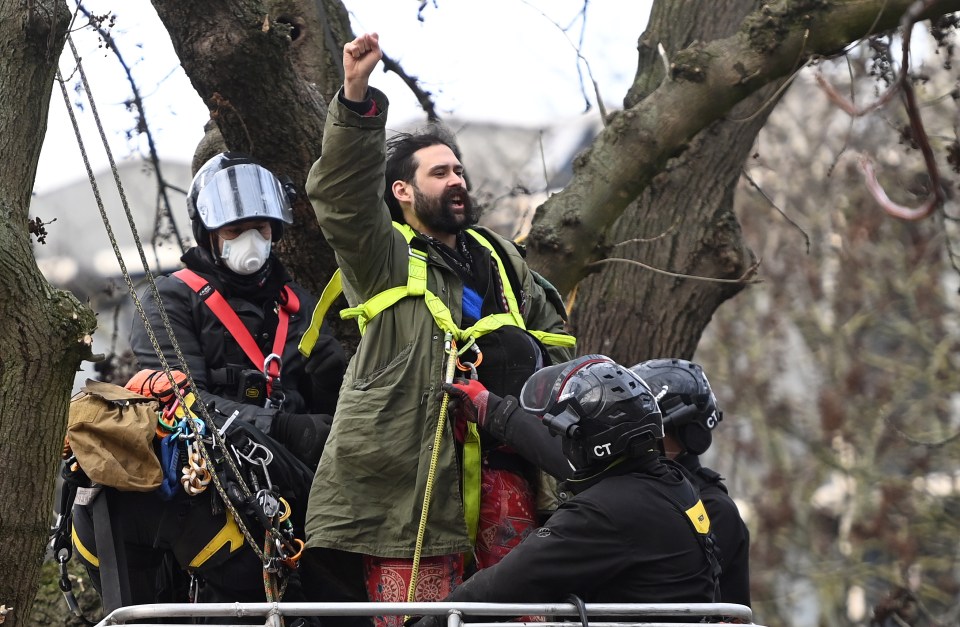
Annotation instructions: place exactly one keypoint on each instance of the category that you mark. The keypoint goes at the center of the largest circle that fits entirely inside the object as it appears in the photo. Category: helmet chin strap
(215, 246)
(599, 472)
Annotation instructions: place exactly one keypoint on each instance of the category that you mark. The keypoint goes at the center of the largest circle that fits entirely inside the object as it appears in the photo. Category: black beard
(436, 213)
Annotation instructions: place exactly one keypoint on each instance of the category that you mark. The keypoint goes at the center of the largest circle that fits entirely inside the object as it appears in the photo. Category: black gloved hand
(302, 434)
(325, 367)
(327, 360)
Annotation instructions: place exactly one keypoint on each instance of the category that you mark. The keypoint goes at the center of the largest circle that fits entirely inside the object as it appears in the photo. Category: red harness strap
(270, 365)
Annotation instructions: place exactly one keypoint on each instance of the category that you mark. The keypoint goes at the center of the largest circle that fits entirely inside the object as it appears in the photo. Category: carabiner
(251, 457)
(272, 357)
(469, 367)
(291, 562)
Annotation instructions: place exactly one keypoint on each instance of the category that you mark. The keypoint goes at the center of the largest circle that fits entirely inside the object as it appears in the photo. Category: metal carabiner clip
(252, 457)
(272, 357)
(471, 369)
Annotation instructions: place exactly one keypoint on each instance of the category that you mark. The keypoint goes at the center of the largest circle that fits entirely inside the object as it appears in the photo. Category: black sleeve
(361, 107)
(527, 435)
(325, 369)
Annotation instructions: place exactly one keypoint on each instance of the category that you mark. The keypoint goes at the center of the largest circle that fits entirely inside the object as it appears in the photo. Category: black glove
(325, 367)
(327, 359)
(302, 434)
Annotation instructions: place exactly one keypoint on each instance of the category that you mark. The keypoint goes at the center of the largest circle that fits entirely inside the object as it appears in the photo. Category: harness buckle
(422, 255)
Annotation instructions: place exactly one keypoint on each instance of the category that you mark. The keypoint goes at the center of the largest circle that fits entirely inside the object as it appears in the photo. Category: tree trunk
(635, 313)
(44, 332)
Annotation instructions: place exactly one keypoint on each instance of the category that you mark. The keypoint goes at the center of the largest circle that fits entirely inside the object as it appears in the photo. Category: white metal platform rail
(608, 613)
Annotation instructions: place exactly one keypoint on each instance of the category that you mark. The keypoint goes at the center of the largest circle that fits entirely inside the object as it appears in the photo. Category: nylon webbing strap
(331, 291)
(554, 339)
(111, 550)
(504, 280)
(471, 481)
(231, 321)
(416, 267)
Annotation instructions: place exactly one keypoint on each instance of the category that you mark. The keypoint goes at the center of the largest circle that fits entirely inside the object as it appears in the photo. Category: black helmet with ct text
(232, 186)
(601, 409)
(689, 407)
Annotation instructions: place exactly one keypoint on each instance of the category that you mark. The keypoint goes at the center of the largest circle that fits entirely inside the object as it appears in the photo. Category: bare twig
(646, 240)
(163, 208)
(580, 57)
(423, 96)
(769, 200)
(846, 139)
(743, 280)
(543, 162)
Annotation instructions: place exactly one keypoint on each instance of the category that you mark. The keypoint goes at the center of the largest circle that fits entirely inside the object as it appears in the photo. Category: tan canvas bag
(111, 431)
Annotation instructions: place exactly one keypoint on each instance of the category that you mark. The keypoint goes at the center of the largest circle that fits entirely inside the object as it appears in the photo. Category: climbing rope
(451, 349)
(203, 457)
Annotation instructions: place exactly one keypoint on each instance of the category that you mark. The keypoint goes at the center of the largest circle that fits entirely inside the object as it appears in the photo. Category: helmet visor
(242, 192)
(549, 386)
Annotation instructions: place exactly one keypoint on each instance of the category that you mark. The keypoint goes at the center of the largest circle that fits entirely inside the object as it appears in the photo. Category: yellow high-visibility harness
(417, 286)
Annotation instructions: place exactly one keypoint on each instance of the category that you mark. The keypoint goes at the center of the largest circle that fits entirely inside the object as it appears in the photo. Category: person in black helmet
(634, 529)
(690, 414)
(238, 209)
(237, 318)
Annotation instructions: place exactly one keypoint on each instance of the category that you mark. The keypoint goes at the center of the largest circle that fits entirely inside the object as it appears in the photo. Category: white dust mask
(246, 253)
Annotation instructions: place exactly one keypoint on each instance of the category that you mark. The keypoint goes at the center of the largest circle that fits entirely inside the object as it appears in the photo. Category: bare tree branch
(423, 96)
(904, 86)
(163, 208)
(742, 280)
(707, 81)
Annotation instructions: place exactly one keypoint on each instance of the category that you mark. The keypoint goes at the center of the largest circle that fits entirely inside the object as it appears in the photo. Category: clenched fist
(360, 57)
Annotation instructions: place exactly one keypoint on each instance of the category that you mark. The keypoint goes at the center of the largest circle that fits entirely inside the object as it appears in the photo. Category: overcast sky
(501, 60)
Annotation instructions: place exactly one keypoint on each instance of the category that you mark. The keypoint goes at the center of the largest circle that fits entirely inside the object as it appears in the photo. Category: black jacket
(619, 540)
(212, 354)
(731, 532)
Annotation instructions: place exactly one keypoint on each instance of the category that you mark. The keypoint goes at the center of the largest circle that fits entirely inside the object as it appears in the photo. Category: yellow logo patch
(698, 516)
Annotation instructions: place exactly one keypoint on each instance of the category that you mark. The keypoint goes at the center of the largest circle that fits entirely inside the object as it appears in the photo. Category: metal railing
(633, 614)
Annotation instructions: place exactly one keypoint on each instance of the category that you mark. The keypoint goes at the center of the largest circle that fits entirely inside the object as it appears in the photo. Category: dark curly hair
(402, 165)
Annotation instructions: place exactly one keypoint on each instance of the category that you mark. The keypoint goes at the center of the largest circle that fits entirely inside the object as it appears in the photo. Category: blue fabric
(170, 462)
(472, 304)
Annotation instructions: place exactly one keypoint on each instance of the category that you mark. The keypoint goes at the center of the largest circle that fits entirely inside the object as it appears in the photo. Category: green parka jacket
(368, 490)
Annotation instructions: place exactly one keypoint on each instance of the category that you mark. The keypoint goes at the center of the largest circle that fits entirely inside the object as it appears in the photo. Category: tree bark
(638, 314)
(44, 332)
